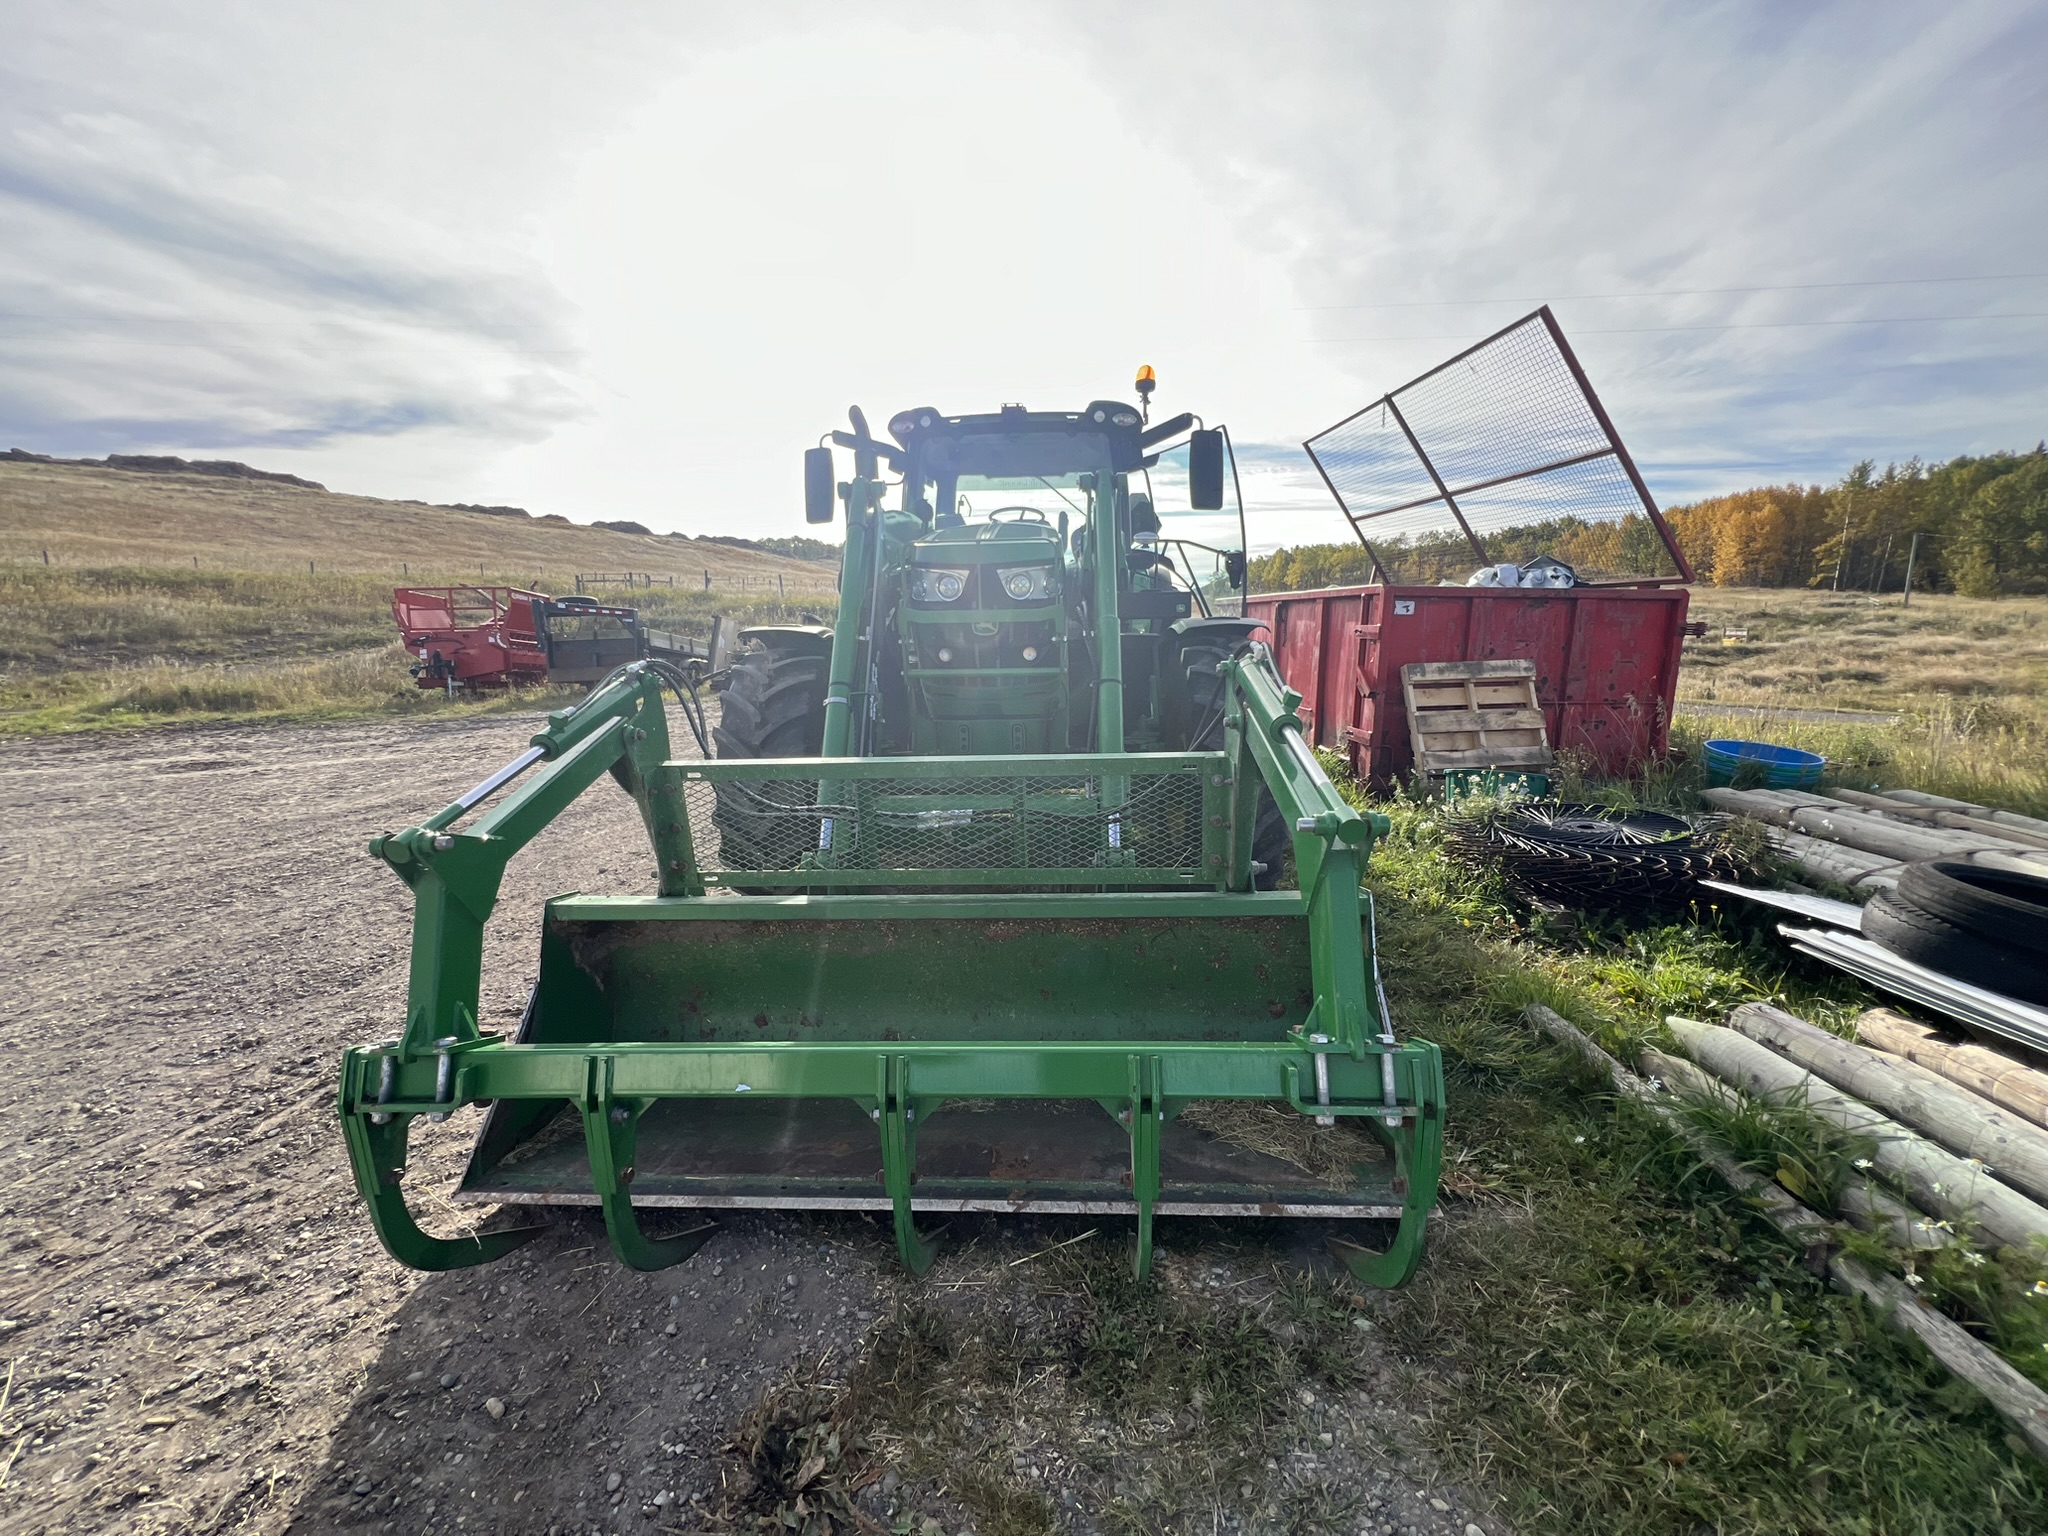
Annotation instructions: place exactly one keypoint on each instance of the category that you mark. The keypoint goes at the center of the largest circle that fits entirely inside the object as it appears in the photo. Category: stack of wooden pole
(1970, 1163)
(2005, 1080)
(1859, 840)
(1945, 1171)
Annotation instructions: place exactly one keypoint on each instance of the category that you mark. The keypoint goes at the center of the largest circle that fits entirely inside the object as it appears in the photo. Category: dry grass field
(85, 516)
(1966, 679)
(143, 598)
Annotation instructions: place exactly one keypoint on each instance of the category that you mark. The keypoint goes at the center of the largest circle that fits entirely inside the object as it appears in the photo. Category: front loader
(981, 904)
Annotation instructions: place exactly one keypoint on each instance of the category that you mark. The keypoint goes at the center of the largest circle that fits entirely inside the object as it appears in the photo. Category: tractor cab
(1021, 543)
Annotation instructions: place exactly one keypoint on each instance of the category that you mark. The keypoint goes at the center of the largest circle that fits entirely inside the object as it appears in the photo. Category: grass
(1968, 677)
(1167, 1401)
(347, 687)
(125, 646)
(140, 599)
(1636, 1353)
(87, 517)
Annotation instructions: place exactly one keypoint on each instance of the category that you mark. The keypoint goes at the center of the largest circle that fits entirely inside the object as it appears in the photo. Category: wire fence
(777, 585)
(1500, 454)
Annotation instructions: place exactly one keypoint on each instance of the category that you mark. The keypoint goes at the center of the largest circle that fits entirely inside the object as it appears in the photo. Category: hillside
(138, 597)
(85, 515)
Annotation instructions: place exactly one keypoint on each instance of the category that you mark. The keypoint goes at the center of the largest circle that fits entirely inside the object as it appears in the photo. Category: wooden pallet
(1474, 714)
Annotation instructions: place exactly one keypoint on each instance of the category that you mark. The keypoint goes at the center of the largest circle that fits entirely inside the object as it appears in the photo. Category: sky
(630, 260)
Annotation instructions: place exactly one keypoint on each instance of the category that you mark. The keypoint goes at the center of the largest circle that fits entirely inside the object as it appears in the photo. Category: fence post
(779, 593)
(309, 567)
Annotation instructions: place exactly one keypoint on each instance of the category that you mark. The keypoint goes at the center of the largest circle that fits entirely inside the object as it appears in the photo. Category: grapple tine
(377, 1154)
(611, 1132)
(898, 1116)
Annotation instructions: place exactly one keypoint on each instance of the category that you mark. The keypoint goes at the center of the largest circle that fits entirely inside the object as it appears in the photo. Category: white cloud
(629, 261)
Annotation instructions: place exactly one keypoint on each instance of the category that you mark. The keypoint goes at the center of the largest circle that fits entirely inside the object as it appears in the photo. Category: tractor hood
(1005, 540)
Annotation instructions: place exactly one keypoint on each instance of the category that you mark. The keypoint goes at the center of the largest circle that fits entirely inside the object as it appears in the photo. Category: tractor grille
(1133, 819)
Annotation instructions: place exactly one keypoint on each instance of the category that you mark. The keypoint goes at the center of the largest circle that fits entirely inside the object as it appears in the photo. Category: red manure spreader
(471, 637)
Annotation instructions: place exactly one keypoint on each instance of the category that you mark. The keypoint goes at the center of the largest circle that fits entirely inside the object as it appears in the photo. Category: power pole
(1842, 549)
(1912, 549)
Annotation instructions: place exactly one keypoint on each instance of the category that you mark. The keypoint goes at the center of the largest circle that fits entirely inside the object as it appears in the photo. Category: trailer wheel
(773, 706)
(1205, 693)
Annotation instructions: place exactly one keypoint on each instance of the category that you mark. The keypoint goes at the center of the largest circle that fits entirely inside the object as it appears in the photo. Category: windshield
(1046, 495)
(1200, 551)
(1204, 547)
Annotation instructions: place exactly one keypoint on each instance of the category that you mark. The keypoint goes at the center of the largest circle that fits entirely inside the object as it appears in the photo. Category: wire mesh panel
(1503, 453)
(1133, 819)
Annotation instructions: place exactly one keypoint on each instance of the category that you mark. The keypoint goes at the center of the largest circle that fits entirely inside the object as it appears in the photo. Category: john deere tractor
(982, 904)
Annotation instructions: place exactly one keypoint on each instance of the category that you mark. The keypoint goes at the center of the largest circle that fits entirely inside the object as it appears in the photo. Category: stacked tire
(1982, 923)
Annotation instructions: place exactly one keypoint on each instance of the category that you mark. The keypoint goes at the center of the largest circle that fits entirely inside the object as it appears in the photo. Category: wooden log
(1806, 1228)
(1867, 1206)
(1878, 834)
(2015, 1399)
(1762, 804)
(1991, 1074)
(1866, 828)
(1937, 1181)
(1879, 1213)
(1953, 820)
(1831, 861)
(1681, 1077)
(2013, 819)
(1965, 1124)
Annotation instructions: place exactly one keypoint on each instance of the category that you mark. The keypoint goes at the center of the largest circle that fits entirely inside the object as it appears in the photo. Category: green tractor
(976, 907)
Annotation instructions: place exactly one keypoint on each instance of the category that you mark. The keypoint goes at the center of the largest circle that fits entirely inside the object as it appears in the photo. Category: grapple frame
(888, 976)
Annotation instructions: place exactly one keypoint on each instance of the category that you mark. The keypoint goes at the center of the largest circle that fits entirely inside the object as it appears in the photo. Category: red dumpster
(1606, 662)
(1505, 458)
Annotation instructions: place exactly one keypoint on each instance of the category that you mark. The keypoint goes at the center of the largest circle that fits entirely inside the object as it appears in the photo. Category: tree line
(1981, 521)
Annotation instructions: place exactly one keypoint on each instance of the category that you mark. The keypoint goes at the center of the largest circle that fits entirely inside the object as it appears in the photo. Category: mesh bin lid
(1501, 454)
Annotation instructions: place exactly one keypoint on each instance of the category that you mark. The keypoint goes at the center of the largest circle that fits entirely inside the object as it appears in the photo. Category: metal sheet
(1842, 914)
(1994, 1011)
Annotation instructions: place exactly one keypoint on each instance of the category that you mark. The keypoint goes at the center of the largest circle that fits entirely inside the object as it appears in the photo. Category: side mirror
(1205, 470)
(1233, 567)
(821, 489)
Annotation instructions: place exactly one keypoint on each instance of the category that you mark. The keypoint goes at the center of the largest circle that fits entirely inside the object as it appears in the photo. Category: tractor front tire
(773, 706)
(1271, 842)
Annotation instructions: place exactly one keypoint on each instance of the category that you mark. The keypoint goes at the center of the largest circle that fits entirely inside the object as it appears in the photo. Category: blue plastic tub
(1784, 767)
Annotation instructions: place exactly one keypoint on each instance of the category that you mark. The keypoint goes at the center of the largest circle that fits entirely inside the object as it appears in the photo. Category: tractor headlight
(936, 584)
(1029, 583)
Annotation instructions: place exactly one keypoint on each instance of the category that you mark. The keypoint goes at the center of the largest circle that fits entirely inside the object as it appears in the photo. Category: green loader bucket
(900, 1024)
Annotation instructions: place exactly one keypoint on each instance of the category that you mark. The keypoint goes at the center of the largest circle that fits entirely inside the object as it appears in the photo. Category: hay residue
(1328, 1153)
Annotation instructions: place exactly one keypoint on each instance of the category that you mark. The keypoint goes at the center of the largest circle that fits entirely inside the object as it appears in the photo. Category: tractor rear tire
(773, 706)
(1271, 842)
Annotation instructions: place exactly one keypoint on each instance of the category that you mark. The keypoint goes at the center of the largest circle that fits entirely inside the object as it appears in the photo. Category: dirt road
(199, 1332)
